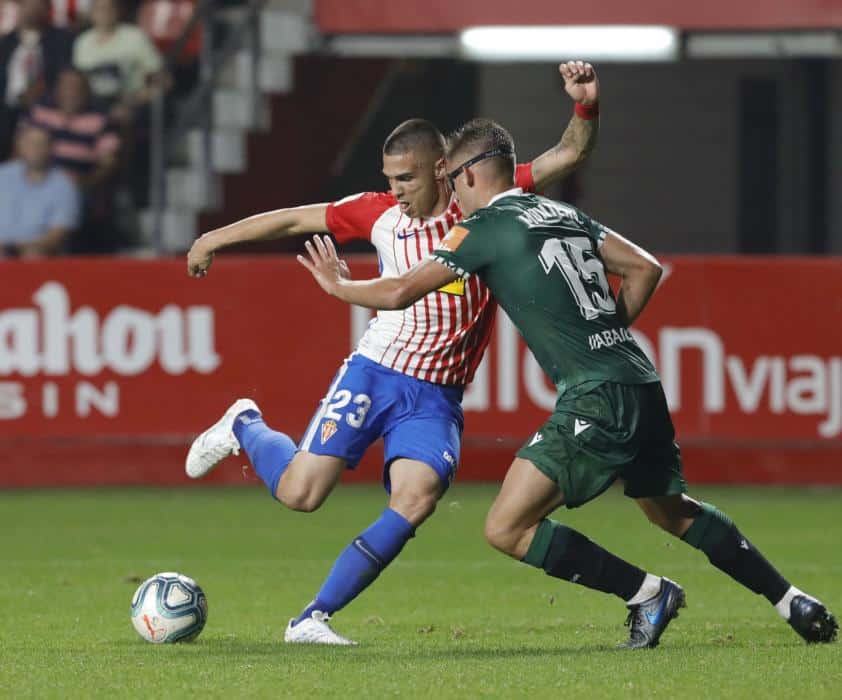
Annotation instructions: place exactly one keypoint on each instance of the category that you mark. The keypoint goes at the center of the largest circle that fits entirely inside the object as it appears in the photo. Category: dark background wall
(704, 156)
(701, 156)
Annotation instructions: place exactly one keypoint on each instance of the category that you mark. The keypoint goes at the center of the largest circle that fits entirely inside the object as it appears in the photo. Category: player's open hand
(199, 259)
(324, 264)
(580, 81)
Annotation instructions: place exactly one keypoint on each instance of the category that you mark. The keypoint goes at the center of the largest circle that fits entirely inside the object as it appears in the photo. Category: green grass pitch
(451, 617)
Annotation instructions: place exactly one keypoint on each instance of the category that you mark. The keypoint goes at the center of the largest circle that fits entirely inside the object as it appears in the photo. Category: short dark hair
(480, 135)
(414, 134)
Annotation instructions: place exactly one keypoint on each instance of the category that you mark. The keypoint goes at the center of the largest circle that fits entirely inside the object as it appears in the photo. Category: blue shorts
(366, 401)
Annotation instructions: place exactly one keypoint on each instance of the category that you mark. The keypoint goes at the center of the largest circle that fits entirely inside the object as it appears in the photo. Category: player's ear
(440, 169)
(470, 180)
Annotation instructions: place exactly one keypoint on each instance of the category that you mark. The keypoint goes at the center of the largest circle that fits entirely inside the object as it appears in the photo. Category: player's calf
(652, 601)
(359, 564)
(308, 481)
(567, 554)
(730, 551)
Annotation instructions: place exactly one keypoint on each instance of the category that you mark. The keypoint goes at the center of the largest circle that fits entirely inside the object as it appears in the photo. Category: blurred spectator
(164, 21)
(85, 141)
(30, 60)
(72, 14)
(86, 145)
(122, 64)
(39, 204)
(8, 16)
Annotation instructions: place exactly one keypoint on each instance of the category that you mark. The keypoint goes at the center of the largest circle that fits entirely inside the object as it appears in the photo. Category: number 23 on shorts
(355, 416)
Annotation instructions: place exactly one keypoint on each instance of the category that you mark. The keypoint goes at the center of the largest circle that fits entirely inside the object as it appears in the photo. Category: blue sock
(270, 452)
(361, 562)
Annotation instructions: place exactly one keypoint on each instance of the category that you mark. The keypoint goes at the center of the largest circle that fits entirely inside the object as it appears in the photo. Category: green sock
(569, 555)
(715, 534)
(708, 529)
(540, 544)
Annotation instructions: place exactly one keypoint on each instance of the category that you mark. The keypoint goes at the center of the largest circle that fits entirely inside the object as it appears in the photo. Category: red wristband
(586, 112)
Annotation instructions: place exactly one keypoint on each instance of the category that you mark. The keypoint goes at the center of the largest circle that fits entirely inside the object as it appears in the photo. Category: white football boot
(217, 442)
(314, 630)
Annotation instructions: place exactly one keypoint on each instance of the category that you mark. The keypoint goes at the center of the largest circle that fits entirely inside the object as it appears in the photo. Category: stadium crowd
(76, 80)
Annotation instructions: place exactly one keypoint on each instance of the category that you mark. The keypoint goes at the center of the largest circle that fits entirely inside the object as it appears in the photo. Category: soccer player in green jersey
(546, 264)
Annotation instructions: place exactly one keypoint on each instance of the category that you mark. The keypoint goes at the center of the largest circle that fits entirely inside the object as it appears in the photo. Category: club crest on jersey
(454, 238)
(329, 429)
(456, 287)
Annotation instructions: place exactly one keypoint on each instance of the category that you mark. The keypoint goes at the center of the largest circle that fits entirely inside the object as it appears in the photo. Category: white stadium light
(597, 43)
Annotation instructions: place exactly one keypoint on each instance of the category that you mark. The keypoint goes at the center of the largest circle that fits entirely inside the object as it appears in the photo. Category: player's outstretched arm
(260, 227)
(640, 272)
(579, 138)
(382, 293)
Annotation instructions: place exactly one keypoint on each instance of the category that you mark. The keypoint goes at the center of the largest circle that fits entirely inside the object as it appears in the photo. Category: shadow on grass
(434, 650)
(365, 653)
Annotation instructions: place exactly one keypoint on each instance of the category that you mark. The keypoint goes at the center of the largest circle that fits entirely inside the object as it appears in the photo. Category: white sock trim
(782, 606)
(648, 589)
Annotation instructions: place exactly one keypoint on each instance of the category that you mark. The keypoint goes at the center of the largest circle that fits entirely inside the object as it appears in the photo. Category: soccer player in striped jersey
(405, 380)
(546, 264)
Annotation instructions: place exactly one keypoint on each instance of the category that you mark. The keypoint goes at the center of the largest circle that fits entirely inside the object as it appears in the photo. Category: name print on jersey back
(541, 260)
(573, 255)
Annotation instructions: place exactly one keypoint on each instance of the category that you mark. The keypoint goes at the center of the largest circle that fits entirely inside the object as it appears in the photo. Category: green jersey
(540, 258)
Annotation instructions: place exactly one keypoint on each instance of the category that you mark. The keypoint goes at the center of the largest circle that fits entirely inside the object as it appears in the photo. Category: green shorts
(613, 431)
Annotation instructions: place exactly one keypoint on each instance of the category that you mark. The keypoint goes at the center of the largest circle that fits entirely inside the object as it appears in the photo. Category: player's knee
(301, 497)
(667, 522)
(673, 514)
(658, 520)
(500, 536)
(415, 507)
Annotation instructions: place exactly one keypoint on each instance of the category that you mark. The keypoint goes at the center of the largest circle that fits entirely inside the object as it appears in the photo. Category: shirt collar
(514, 192)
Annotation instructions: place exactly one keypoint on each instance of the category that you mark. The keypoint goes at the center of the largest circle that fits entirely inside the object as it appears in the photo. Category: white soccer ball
(169, 607)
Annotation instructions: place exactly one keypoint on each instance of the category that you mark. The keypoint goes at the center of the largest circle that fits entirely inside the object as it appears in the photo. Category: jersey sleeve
(523, 177)
(354, 216)
(465, 249)
(595, 230)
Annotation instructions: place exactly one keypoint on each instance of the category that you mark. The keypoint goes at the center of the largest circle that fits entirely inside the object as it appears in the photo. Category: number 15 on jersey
(585, 276)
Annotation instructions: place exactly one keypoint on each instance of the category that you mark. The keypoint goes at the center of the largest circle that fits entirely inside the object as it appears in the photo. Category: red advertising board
(109, 366)
(445, 16)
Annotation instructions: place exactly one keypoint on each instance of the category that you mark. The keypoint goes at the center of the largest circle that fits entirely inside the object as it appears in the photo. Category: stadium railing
(198, 109)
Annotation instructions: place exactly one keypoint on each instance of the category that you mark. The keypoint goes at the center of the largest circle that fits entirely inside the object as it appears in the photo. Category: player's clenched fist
(580, 81)
(199, 259)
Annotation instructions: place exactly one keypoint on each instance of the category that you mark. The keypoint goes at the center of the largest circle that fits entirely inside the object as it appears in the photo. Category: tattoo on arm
(580, 136)
(577, 141)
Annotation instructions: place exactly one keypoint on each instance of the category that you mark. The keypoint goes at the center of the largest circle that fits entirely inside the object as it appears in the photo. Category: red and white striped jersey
(440, 338)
